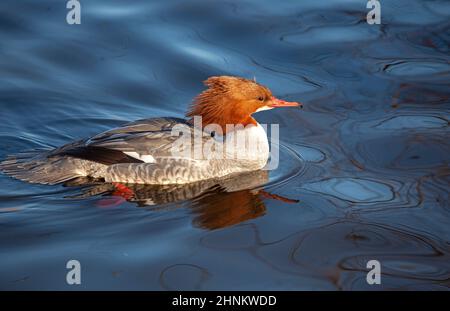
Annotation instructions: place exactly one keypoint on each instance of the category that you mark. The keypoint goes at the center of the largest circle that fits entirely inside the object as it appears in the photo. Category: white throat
(264, 108)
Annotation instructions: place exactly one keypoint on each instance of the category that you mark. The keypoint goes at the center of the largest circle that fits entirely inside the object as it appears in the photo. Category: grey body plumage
(107, 156)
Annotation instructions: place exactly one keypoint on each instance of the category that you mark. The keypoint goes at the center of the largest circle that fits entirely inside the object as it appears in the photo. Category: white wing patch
(149, 202)
(147, 158)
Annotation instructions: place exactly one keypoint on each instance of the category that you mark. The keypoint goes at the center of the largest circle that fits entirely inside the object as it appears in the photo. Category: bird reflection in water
(215, 203)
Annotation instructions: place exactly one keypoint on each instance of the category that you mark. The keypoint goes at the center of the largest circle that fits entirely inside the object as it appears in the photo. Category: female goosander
(151, 151)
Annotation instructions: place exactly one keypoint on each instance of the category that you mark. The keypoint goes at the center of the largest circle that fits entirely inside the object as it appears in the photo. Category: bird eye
(261, 98)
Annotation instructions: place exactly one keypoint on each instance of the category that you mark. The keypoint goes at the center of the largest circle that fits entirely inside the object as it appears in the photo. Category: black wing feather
(100, 155)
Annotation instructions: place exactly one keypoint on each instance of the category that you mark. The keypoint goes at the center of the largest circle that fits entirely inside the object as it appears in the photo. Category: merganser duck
(142, 152)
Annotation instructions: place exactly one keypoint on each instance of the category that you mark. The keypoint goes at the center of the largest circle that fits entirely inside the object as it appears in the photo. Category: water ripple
(356, 190)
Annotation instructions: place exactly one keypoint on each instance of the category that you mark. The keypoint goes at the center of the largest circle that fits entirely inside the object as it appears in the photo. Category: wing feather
(131, 143)
(148, 137)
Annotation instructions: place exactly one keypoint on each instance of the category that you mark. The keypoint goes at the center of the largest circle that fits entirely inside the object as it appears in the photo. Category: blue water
(365, 166)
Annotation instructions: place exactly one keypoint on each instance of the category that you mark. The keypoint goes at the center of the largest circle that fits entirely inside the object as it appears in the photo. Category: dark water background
(368, 157)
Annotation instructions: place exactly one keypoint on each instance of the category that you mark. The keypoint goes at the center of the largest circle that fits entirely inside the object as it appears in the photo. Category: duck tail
(37, 166)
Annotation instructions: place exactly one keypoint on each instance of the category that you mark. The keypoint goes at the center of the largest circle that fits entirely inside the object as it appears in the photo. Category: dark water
(368, 157)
